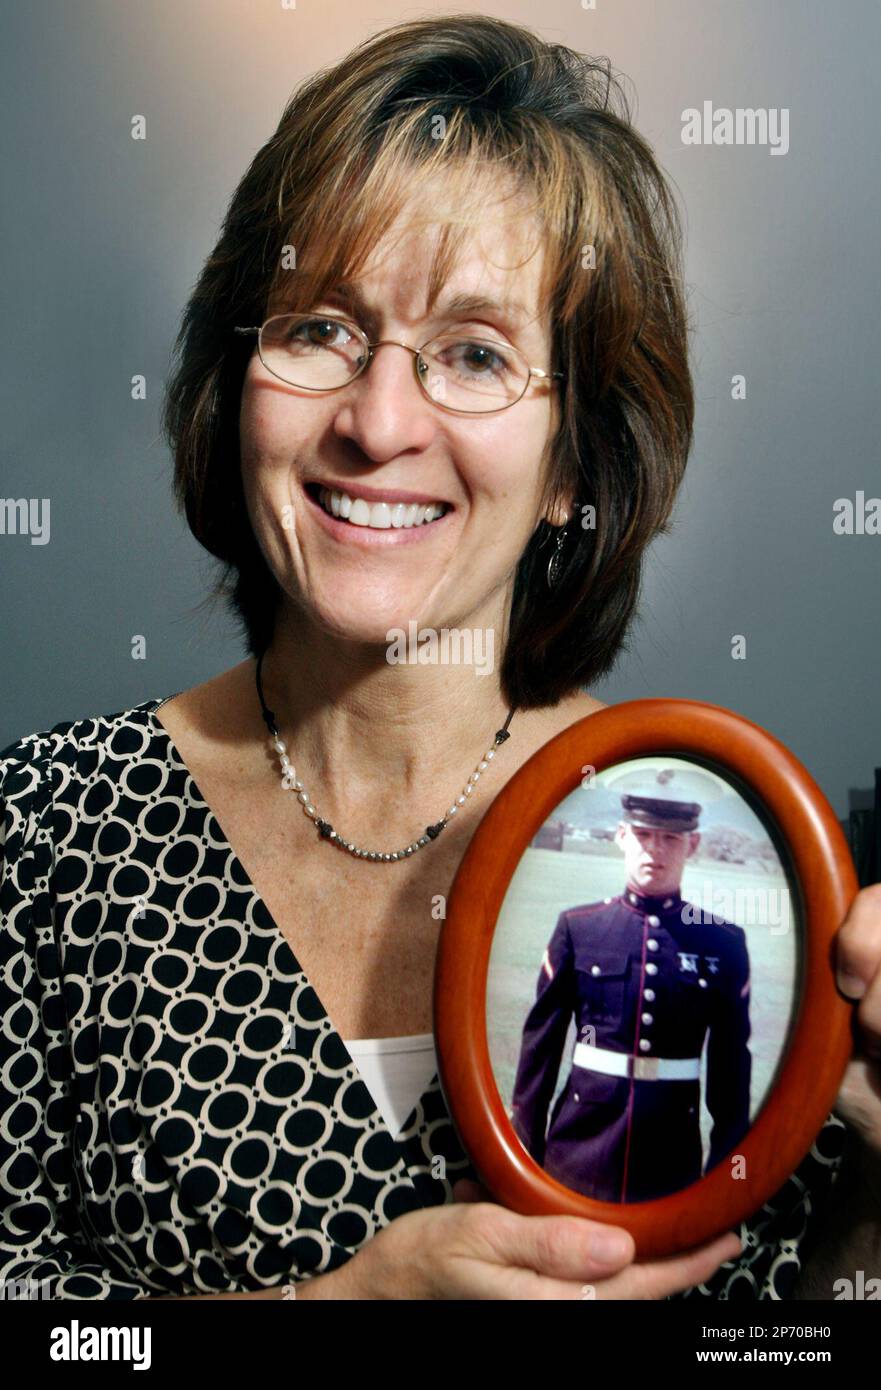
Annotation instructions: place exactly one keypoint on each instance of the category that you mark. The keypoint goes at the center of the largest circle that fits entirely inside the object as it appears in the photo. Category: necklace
(291, 782)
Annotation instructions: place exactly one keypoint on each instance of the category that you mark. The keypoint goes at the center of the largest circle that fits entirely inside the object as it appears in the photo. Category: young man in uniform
(648, 977)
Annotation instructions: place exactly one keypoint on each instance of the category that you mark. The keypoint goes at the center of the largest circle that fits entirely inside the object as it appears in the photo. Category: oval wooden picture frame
(819, 1043)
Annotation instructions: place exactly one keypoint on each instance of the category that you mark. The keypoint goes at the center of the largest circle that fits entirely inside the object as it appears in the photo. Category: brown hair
(351, 147)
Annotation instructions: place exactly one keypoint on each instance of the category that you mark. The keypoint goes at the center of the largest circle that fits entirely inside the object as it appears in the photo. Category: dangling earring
(555, 562)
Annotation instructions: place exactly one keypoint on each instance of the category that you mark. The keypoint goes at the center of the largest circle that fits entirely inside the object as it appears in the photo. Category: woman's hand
(474, 1249)
(848, 1232)
(858, 961)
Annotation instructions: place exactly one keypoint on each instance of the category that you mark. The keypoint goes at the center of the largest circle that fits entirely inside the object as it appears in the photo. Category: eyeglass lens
(456, 370)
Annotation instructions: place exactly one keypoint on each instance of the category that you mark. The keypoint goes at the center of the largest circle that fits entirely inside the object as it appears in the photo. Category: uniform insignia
(712, 964)
(687, 961)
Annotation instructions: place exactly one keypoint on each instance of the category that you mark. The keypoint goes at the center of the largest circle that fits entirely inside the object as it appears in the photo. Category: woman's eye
(477, 359)
(316, 333)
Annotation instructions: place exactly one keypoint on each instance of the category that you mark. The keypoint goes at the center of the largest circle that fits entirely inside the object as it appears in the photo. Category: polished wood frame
(820, 1042)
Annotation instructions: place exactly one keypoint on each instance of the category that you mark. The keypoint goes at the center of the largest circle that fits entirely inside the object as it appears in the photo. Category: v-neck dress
(178, 1113)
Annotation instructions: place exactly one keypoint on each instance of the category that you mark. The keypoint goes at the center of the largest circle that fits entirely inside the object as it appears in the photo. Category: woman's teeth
(379, 515)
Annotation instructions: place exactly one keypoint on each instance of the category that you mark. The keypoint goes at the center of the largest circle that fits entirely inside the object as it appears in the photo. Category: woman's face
(380, 436)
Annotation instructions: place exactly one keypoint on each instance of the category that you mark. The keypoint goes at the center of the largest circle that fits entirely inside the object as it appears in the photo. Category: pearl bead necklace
(291, 782)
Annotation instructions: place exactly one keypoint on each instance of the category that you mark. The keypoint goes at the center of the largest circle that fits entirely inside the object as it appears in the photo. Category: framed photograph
(636, 1014)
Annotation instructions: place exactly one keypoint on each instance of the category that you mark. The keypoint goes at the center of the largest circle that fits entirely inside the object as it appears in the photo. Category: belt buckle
(646, 1068)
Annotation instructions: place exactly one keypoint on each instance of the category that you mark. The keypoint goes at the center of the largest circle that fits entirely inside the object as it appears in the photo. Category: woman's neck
(407, 733)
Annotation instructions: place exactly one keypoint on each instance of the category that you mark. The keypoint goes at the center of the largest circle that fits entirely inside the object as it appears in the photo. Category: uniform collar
(652, 902)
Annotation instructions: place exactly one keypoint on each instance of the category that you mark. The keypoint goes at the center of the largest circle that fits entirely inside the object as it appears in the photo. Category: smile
(388, 522)
(378, 516)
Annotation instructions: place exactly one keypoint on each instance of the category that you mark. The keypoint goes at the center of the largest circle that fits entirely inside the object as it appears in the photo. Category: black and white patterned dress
(178, 1113)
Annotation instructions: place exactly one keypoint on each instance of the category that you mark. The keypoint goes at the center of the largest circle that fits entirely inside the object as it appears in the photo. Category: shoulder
(212, 721)
(72, 738)
(588, 704)
(585, 910)
(728, 931)
(36, 767)
(44, 783)
(546, 722)
(593, 916)
(574, 708)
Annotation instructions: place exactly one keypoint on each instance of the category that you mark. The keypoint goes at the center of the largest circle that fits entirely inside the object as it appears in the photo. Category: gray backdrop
(104, 236)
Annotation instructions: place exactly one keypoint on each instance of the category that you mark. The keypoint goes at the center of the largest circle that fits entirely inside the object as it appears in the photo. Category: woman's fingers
(652, 1280)
(568, 1248)
(569, 1257)
(858, 963)
(562, 1257)
(858, 943)
(658, 1278)
(525, 1285)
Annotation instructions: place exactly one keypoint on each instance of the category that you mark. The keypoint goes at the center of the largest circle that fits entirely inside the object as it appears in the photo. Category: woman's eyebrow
(514, 314)
(508, 309)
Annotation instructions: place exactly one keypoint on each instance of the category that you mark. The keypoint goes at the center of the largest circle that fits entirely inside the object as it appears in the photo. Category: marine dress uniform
(648, 979)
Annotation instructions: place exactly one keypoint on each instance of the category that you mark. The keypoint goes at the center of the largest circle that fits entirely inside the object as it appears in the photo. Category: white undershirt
(396, 1072)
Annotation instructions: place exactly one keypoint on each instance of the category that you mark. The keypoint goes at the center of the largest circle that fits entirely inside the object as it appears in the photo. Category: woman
(197, 918)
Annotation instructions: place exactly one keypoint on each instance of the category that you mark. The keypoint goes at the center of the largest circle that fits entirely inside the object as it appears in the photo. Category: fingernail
(610, 1245)
(852, 986)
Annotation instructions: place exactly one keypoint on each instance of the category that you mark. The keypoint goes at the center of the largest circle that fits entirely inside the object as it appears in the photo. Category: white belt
(642, 1068)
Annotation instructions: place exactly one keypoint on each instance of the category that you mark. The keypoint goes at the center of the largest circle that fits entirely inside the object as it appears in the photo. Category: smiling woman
(484, 184)
(433, 373)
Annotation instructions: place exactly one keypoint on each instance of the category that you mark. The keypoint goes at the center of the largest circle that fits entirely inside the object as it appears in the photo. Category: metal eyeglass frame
(395, 342)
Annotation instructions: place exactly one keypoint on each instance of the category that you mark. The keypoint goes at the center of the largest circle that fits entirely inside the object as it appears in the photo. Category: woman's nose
(384, 410)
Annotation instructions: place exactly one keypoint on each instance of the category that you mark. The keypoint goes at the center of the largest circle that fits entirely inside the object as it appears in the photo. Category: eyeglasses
(455, 371)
